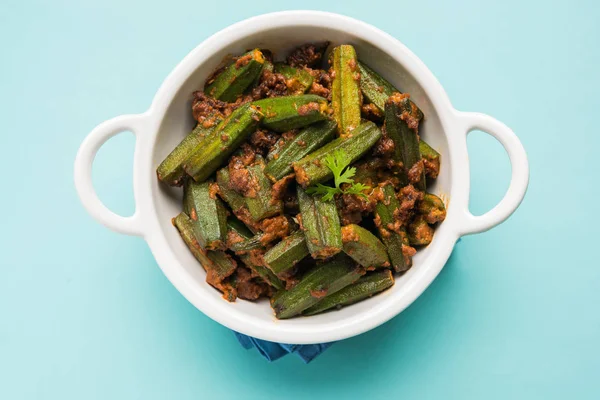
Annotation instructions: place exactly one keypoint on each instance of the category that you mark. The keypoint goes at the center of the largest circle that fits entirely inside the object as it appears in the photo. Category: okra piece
(291, 112)
(276, 149)
(419, 232)
(306, 141)
(298, 80)
(367, 171)
(208, 214)
(363, 288)
(282, 257)
(428, 152)
(323, 280)
(262, 205)
(170, 171)
(248, 244)
(376, 89)
(231, 197)
(266, 274)
(251, 243)
(267, 66)
(218, 264)
(432, 208)
(401, 125)
(239, 228)
(220, 143)
(364, 247)
(312, 170)
(236, 201)
(393, 236)
(431, 159)
(346, 98)
(260, 240)
(237, 77)
(321, 225)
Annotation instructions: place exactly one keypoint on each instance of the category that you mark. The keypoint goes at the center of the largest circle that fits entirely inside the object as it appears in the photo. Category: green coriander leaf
(337, 163)
(319, 189)
(357, 189)
(346, 176)
(329, 196)
(325, 191)
(329, 161)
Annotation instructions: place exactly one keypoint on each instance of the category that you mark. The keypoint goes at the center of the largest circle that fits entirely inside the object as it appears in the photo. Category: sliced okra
(321, 225)
(237, 77)
(306, 141)
(298, 80)
(291, 112)
(324, 279)
(365, 287)
(218, 264)
(401, 125)
(224, 140)
(391, 233)
(170, 171)
(282, 257)
(207, 212)
(376, 89)
(261, 202)
(364, 247)
(346, 97)
(311, 169)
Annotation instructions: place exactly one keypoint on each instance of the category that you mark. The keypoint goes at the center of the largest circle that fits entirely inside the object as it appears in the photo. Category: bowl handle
(83, 173)
(519, 178)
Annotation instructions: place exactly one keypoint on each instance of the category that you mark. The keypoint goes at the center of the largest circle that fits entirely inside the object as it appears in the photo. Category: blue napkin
(273, 351)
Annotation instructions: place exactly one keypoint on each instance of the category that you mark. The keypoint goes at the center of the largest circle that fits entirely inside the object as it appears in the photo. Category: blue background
(87, 313)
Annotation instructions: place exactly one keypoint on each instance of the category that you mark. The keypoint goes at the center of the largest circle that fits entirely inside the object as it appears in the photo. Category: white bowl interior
(178, 122)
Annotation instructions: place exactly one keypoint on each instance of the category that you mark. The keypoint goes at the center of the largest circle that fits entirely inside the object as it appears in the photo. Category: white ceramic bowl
(169, 119)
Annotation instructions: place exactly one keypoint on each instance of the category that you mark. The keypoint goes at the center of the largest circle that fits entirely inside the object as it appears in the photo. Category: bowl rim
(145, 221)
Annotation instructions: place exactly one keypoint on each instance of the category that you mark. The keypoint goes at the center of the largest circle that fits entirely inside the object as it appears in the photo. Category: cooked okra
(391, 231)
(260, 201)
(365, 287)
(234, 200)
(401, 125)
(235, 79)
(305, 142)
(221, 142)
(250, 243)
(432, 208)
(207, 212)
(292, 112)
(346, 97)
(238, 231)
(321, 225)
(376, 90)
(298, 80)
(266, 68)
(364, 247)
(289, 194)
(312, 169)
(170, 171)
(431, 159)
(325, 279)
(218, 264)
(283, 257)
(419, 232)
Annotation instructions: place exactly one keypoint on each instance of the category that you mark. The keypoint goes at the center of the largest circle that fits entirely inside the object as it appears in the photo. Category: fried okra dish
(304, 180)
